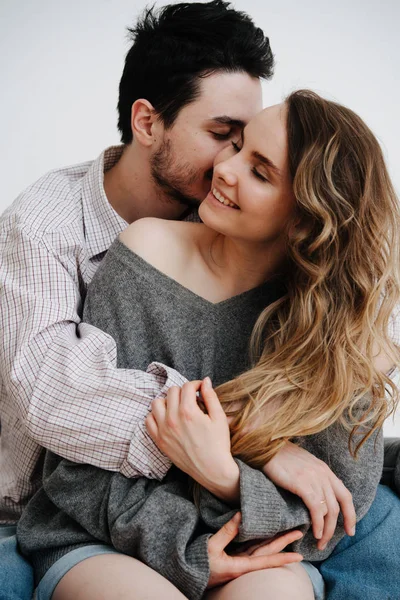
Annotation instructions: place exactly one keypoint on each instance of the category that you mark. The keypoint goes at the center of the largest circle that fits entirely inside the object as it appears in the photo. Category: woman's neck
(239, 266)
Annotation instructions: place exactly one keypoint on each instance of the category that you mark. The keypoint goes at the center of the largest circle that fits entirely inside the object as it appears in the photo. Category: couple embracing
(199, 328)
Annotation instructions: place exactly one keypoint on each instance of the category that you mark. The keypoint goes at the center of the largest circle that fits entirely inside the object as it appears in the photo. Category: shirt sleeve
(60, 374)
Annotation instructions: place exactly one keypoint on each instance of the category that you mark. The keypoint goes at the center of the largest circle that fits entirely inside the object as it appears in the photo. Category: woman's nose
(225, 171)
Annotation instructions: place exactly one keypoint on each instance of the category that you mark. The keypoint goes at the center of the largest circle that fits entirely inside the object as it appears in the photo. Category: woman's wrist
(225, 483)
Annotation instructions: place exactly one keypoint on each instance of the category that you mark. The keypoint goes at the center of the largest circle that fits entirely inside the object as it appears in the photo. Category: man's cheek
(222, 155)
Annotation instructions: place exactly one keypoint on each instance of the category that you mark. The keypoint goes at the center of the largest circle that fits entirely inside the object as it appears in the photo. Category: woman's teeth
(222, 199)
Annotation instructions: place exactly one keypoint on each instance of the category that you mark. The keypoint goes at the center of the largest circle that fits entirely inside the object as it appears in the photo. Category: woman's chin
(208, 212)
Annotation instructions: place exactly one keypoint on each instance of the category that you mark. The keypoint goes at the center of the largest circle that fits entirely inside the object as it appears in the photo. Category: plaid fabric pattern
(59, 385)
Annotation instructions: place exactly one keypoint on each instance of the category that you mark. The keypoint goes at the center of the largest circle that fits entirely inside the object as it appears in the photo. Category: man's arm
(59, 374)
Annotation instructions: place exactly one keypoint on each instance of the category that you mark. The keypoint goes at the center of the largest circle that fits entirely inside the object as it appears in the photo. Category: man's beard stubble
(174, 179)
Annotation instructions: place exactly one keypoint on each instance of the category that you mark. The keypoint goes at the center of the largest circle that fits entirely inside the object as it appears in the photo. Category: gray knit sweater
(152, 317)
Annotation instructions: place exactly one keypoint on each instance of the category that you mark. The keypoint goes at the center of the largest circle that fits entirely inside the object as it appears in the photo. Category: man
(190, 84)
(179, 104)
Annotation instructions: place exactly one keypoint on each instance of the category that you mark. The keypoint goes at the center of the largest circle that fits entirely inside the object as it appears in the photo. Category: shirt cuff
(144, 458)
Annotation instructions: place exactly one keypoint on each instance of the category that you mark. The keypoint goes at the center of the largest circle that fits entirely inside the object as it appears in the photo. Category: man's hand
(224, 567)
(198, 443)
(324, 494)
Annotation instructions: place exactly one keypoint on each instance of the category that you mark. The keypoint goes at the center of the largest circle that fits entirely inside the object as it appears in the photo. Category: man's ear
(143, 120)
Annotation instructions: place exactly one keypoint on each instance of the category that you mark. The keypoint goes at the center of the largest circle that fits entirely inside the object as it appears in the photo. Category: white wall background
(60, 64)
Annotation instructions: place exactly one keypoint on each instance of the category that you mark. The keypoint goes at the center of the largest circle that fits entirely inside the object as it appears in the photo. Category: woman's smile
(219, 199)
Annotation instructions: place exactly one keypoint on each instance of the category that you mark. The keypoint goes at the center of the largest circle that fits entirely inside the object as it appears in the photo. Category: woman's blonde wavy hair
(313, 349)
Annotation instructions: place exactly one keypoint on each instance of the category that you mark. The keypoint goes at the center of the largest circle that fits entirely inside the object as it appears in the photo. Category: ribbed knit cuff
(260, 504)
(191, 572)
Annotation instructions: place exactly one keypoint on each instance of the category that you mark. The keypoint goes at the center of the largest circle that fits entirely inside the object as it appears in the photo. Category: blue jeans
(16, 574)
(367, 565)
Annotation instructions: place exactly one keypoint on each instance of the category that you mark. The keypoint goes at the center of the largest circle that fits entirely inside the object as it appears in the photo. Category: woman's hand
(198, 443)
(225, 567)
(324, 494)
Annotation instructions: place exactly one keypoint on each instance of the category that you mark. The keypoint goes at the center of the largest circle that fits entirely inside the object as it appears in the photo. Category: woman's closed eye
(254, 170)
(259, 175)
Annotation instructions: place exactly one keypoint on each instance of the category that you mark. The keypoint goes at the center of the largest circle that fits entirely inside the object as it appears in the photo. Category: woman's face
(251, 196)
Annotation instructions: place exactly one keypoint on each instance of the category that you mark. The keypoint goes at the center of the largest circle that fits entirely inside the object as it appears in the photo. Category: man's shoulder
(49, 204)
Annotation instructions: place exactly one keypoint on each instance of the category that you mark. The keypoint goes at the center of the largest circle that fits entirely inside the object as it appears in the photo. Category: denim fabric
(16, 574)
(51, 579)
(367, 565)
(316, 580)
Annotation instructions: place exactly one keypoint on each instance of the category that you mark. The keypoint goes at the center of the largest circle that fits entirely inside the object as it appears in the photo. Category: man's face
(182, 164)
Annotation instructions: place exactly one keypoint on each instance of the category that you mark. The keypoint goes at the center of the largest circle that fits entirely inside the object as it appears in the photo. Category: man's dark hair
(178, 44)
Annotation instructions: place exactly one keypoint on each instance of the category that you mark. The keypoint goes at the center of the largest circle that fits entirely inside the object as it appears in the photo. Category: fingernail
(322, 547)
(319, 534)
(237, 517)
(207, 382)
(353, 531)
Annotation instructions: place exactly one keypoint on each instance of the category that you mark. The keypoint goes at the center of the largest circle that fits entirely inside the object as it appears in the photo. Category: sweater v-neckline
(151, 272)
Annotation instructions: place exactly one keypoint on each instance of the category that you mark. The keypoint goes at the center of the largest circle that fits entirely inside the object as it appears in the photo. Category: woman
(300, 241)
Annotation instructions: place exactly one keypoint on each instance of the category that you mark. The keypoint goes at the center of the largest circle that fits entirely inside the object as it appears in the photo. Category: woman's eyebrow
(266, 161)
(263, 159)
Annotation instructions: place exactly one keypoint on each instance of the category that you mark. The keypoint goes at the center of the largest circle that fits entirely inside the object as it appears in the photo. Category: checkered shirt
(59, 384)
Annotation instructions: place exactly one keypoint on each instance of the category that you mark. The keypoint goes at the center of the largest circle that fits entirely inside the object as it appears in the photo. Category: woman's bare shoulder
(159, 241)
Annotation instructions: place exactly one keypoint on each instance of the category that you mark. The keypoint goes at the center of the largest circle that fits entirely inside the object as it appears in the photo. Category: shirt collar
(102, 223)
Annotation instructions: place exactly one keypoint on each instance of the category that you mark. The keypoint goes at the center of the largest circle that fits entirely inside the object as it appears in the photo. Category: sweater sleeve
(268, 510)
(155, 522)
